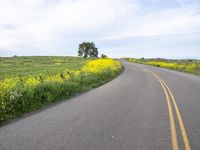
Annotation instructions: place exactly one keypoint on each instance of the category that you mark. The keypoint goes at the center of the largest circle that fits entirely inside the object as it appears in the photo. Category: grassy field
(184, 65)
(35, 65)
(29, 83)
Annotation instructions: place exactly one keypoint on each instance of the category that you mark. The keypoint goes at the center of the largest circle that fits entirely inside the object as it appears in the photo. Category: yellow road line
(171, 115)
(172, 124)
(180, 120)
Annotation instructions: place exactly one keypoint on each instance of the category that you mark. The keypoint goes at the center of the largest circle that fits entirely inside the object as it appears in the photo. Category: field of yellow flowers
(189, 66)
(21, 94)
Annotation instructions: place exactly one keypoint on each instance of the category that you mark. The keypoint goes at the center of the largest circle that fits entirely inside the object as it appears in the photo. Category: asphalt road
(130, 112)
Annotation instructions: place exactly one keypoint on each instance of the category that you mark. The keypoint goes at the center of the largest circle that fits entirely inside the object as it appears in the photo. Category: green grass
(184, 65)
(35, 65)
(29, 83)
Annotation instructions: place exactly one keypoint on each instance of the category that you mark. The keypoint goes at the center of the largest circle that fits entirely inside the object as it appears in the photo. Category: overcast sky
(119, 28)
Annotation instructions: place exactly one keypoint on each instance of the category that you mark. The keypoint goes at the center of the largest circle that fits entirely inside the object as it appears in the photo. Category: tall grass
(21, 94)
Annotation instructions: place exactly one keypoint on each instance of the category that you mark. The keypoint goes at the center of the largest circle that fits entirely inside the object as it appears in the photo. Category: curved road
(130, 112)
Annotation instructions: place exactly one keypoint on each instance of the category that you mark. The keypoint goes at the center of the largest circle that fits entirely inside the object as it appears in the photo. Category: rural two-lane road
(130, 112)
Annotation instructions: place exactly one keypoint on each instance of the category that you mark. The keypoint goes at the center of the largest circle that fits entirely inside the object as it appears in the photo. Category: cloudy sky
(133, 28)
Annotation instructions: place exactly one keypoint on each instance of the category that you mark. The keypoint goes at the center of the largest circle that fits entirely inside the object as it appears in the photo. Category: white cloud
(41, 21)
(163, 22)
(56, 25)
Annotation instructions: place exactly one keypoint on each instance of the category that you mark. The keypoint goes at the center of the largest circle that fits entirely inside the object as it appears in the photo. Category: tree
(87, 49)
(103, 56)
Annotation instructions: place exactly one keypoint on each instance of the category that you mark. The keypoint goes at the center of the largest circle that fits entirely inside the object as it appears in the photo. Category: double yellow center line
(169, 96)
